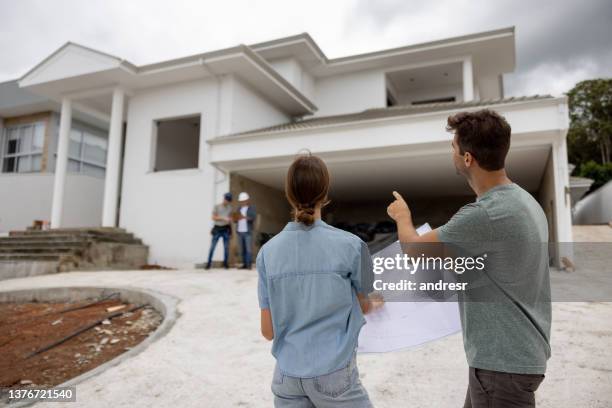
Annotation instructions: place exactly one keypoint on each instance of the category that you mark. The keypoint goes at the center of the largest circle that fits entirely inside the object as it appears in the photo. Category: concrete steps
(33, 252)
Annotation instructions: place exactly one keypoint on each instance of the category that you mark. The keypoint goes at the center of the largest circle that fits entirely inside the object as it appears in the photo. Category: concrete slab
(214, 355)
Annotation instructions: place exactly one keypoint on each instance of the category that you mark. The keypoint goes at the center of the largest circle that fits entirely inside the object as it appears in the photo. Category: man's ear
(468, 159)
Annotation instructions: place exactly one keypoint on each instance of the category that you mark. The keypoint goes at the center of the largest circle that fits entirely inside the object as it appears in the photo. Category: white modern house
(183, 132)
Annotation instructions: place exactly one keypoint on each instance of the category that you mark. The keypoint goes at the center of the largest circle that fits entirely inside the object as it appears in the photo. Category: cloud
(558, 42)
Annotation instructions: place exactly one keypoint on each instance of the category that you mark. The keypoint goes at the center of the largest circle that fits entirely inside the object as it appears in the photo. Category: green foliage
(601, 173)
(590, 134)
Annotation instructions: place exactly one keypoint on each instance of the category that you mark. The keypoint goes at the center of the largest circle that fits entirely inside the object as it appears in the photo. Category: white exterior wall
(292, 71)
(308, 85)
(27, 197)
(249, 110)
(349, 93)
(171, 210)
(168, 210)
(489, 87)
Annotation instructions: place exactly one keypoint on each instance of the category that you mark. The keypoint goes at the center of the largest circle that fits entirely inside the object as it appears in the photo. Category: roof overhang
(301, 47)
(534, 121)
(74, 69)
(491, 51)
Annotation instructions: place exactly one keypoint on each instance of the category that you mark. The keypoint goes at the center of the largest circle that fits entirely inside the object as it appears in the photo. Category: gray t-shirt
(222, 210)
(506, 317)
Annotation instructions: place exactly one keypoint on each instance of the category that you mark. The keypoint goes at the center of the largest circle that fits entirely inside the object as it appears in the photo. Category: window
(22, 148)
(176, 144)
(87, 153)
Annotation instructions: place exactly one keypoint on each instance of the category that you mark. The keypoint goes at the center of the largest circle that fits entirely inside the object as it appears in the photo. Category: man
(244, 226)
(506, 337)
(222, 229)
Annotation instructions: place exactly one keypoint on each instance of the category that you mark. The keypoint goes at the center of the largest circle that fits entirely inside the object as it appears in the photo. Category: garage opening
(361, 191)
(176, 144)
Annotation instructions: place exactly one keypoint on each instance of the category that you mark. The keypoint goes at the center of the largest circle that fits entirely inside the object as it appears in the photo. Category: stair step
(71, 231)
(71, 248)
(29, 257)
(125, 238)
(12, 243)
(54, 250)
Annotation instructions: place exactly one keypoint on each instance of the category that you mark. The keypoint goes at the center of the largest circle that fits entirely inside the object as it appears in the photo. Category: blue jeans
(220, 233)
(245, 245)
(341, 388)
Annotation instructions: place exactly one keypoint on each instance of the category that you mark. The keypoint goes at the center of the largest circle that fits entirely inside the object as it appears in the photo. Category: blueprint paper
(399, 325)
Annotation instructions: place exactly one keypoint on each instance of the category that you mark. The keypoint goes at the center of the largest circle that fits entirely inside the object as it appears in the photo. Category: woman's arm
(370, 303)
(266, 324)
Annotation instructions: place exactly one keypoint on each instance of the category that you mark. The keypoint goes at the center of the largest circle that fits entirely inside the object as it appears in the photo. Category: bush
(600, 173)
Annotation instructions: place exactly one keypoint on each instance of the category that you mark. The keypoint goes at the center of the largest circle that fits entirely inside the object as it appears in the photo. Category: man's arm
(399, 211)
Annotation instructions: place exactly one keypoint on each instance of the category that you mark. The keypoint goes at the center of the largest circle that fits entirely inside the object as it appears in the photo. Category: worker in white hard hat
(245, 217)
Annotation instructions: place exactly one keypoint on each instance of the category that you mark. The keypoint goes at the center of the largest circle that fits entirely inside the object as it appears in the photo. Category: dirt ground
(27, 328)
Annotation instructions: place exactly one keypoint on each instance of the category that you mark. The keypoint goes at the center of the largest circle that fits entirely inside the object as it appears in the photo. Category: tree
(590, 133)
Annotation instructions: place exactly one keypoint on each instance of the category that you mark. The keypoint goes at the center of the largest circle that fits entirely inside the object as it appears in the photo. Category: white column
(2, 142)
(113, 160)
(563, 210)
(61, 163)
(468, 80)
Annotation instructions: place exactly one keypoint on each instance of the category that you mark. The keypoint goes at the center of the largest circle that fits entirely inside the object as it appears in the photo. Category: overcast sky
(559, 42)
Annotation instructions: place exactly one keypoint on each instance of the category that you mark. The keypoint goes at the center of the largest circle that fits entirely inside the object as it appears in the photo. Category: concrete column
(113, 160)
(61, 163)
(2, 142)
(468, 80)
(563, 210)
(563, 199)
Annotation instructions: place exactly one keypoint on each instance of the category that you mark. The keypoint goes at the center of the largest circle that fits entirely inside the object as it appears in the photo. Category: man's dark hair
(485, 134)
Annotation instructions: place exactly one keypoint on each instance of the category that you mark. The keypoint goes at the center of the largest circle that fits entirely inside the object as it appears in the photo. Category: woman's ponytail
(307, 186)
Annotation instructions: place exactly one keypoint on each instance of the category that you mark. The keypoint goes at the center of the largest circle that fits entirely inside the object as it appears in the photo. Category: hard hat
(243, 196)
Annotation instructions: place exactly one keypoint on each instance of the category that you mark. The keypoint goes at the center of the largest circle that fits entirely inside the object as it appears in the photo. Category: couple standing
(223, 216)
(313, 286)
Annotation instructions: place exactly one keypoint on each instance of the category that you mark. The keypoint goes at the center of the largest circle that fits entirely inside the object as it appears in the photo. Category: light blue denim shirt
(309, 278)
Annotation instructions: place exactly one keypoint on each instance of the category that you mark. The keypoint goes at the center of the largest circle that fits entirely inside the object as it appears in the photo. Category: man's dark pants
(494, 389)
(245, 244)
(220, 232)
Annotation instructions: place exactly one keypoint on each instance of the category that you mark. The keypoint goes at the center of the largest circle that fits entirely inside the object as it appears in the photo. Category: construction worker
(245, 218)
(222, 229)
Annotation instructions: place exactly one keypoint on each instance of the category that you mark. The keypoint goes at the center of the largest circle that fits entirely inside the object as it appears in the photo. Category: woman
(313, 285)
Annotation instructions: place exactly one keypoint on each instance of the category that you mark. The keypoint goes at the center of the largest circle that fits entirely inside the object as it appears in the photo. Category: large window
(176, 144)
(87, 153)
(22, 148)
